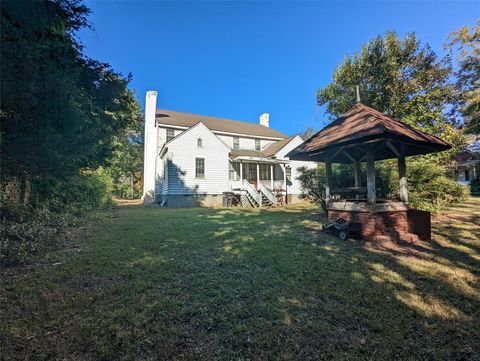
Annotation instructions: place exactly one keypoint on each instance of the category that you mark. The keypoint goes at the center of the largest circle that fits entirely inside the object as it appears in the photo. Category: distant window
(234, 171)
(467, 175)
(199, 143)
(199, 167)
(257, 144)
(236, 143)
(288, 174)
(170, 134)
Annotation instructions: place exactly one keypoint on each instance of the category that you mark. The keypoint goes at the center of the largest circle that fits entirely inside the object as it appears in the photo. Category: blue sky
(239, 59)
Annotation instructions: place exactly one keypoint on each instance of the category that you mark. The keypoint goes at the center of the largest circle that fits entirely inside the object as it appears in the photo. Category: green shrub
(313, 185)
(90, 190)
(30, 231)
(475, 187)
(430, 189)
(28, 234)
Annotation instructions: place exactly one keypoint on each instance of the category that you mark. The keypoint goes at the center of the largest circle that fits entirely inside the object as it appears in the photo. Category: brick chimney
(265, 119)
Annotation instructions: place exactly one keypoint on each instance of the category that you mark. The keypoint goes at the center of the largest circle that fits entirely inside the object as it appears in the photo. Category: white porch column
(241, 175)
(150, 148)
(371, 196)
(258, 173)
(271, 177)
(328, 173)
(402, 174)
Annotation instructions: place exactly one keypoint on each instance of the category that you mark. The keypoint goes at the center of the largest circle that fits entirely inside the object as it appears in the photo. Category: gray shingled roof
(170, 117)
(273, 149)
(268, 152)
(246, 153)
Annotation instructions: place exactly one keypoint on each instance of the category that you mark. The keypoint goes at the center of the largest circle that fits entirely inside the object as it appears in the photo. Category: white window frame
(168, 138)
(196, 168)
(237, 143)
(257, 142)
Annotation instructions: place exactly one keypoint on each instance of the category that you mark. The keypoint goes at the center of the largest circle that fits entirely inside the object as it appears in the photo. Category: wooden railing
(267, 193)
(252, 192)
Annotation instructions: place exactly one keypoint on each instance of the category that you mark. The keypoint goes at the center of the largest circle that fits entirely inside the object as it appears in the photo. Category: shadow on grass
(250, 284)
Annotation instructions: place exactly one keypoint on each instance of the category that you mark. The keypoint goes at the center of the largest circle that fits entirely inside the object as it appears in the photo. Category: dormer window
(257, 144)
(236, 143)
(199, 143)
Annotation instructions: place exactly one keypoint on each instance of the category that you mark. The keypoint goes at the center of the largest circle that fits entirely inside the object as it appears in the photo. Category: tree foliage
(126, 165)
(307, 132)
(401, 78)
(408, 81)
(61, 111)
(466, 42)
(63, 119)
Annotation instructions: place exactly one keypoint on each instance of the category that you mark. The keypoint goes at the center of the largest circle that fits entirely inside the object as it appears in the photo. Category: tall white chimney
(265, 119)
(150, 148)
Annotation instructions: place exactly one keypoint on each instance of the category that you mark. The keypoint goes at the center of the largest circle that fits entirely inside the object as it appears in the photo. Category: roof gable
(173, 118)
(274, 148)
(361, 124)
(187, 132)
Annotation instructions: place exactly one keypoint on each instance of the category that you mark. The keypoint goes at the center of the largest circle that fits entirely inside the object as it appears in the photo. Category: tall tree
(60, 111)
(466, 42)
(398, 77)
(126, 165)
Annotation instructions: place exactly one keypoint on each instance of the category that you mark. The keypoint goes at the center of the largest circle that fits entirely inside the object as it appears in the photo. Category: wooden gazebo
(364, 134)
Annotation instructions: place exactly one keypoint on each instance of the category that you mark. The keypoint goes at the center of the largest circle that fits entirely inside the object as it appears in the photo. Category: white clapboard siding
(244, 142)
(162, 135)
(180, 159)
(295, 188)
(159, 184)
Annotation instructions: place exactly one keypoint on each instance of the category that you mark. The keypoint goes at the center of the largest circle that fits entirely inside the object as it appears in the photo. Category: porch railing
(267, 192)
(257, 197)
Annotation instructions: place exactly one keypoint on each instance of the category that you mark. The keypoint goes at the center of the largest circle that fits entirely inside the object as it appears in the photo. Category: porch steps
(248, 201)
(266, 202)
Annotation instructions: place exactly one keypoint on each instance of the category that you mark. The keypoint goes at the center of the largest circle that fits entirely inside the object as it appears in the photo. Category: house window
(170, 134)
(234, 171)
(467, 175)
(236, 143)
(265, 171)
(250, 171)
(288, 174)
(199, 142)
(257, 144)
(199, 167)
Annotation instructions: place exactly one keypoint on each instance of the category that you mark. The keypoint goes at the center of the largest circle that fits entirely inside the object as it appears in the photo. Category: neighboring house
(465, 167)
(194, 159)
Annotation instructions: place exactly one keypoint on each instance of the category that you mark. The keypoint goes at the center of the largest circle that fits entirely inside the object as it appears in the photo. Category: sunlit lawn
(174, 284)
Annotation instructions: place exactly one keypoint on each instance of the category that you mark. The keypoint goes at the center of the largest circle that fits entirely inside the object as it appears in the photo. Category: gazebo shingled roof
(364, 129)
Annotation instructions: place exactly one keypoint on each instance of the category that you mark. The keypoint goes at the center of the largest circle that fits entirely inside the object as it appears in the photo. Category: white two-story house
(193, 160)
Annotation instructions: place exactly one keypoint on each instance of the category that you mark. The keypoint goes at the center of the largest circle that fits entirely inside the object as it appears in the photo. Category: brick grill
(408, 225)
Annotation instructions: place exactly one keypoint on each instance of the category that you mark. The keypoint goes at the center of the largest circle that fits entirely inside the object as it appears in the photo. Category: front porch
(258, 182)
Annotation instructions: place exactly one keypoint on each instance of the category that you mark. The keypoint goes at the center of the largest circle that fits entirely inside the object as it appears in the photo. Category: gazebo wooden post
(328, 172)
(402, 173)
(371, 196)
(356, 167)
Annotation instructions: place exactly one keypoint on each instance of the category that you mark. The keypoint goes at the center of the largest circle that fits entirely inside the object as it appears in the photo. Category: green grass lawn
(244, 284)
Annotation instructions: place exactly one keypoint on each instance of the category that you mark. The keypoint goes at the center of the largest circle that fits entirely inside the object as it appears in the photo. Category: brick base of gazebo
(385, 220)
